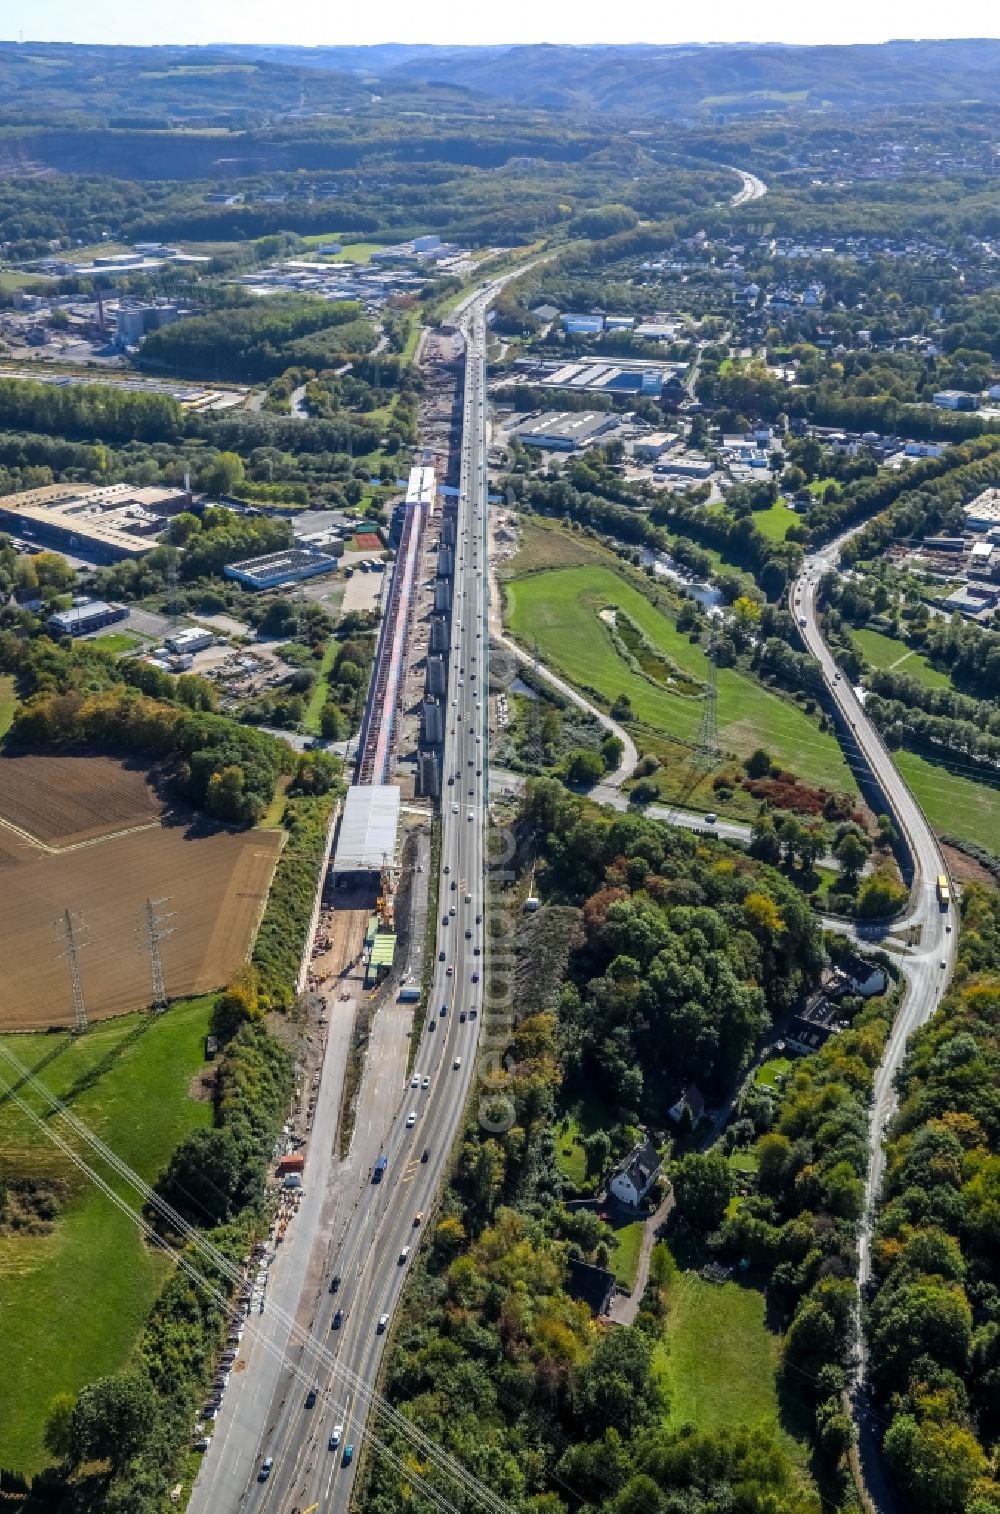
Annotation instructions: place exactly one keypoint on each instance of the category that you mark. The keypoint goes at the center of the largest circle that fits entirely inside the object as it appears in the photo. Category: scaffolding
(385, 697)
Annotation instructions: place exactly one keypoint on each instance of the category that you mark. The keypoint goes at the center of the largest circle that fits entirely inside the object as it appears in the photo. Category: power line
(320, 1356)
(215, 1293)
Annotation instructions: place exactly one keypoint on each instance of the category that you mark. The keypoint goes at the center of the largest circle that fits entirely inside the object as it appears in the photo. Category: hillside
(680, 82)
(238, 85)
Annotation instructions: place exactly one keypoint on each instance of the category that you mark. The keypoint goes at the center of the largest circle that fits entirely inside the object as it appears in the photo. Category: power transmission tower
(153, 933)
(707, 745)
(71, 924)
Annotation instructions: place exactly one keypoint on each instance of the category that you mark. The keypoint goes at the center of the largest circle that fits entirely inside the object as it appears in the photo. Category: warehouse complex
(565, 430)
(105, 525)
(277, 568)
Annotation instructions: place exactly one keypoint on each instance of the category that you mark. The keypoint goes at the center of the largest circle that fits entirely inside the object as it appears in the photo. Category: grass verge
(953, 802)
(8, 702)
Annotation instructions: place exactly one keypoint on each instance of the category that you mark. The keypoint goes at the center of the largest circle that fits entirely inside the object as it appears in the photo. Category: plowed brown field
(214, 882)
(65, 800)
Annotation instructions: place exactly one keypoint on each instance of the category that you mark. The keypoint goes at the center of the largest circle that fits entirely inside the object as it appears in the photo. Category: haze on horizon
(317, 23)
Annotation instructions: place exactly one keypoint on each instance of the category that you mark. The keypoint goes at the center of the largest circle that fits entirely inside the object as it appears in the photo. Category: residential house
(593, 1286)
(690, 1098)
(856, 975)
(633, 1178)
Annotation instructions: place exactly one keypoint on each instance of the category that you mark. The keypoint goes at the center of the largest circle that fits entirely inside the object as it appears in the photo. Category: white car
(336, 1436)
(415, 1080)
(454, 809)
(411, 1119)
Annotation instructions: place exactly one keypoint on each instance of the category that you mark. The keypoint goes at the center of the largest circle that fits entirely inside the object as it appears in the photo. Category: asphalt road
(926, 965)
(373, 1242)
(752, 188)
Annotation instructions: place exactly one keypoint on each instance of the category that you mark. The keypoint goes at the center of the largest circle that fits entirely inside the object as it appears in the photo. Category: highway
(372, 1247)
(752, 188)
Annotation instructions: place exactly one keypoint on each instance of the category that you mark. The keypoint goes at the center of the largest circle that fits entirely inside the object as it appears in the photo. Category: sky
(318, 22)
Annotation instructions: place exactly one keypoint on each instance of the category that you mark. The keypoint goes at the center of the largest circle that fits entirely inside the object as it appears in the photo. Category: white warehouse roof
(368, 827)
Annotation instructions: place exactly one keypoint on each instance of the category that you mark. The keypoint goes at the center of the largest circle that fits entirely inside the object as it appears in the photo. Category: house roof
(591, 1285)
(641, 1166)
(693, 1097)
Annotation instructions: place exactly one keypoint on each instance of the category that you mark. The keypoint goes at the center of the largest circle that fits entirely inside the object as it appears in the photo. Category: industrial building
(565, 430)
(598, 376)
(136, 321)
(955, 399)
(649, 448)
(105, 525)
(366, 842)
(190, 639)
(81, 619)
(982, 513)
(277, 568)
(582, 325)
(686, 465)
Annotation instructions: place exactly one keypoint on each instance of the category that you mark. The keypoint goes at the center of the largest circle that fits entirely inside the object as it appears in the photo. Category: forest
(494, 1356)
(80, 695)
(933, 1321)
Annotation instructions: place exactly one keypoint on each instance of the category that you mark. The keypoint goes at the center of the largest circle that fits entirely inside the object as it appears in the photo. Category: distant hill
(239, 85)
(686, 82)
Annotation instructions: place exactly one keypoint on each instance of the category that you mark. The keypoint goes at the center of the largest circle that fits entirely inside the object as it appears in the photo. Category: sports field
(88, 835)
(73, 1297)
(561, 611)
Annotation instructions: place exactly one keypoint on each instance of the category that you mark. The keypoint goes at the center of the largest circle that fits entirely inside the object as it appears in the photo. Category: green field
(353, 252)
(115, 642)
(718, 1359)
(628, 1244)
(954, 804)
(560, 610)
(12, 278)
(320, 691)
(774, 522)
(412, 338)
(73, 1301)
(882, 651)
(93, 250)
(8, 702)
(769, 1072)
